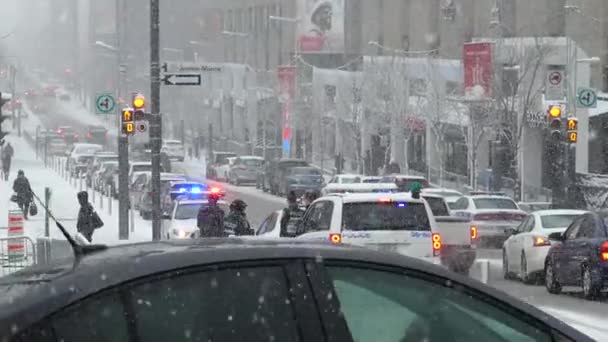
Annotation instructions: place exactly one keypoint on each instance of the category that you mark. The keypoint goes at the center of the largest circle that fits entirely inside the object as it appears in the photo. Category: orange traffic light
(139, 101)
(127, 115)
(128, 128)
(572, 124)
(555, 111)
(572, 137)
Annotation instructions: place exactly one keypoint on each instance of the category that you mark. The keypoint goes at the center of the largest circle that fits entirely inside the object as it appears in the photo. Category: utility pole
(123, 139)
(155, 118)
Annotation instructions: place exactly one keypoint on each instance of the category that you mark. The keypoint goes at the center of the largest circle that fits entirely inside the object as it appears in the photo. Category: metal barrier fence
(16, 253)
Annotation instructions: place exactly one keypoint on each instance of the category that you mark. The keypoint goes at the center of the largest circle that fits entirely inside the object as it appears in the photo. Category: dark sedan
(246, 290)
(302, 179)
(579, 256)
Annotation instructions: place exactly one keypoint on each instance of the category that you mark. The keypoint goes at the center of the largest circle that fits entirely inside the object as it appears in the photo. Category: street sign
(554, 83)
(182, 79)
(587, 98)
(105, 104)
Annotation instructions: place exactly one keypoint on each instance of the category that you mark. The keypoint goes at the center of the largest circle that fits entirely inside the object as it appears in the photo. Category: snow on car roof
(367, 197)
(549, 212)
(141, 163)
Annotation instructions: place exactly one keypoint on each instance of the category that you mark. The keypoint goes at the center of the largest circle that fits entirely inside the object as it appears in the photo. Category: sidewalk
(63, 204)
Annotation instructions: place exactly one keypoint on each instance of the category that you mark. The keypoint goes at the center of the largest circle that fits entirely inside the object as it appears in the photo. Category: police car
(392, 222)
(180, 222)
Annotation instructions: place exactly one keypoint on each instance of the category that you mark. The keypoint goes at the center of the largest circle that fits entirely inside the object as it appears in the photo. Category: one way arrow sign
(182, 79)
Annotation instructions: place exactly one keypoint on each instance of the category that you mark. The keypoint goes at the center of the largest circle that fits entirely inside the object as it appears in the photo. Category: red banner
(287, 82)
(478, 69)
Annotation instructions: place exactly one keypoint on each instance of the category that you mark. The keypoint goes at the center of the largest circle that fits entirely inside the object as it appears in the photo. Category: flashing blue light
(196, 190)
(286, 145)
(182, 190)
(401, 205)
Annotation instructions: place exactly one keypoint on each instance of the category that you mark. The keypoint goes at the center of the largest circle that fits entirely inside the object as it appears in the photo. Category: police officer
(236, 222)
(210, 219)
(292, 215)
(309, 197)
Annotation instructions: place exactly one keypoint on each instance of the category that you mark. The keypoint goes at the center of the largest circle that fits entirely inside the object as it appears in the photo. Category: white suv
(174, 149)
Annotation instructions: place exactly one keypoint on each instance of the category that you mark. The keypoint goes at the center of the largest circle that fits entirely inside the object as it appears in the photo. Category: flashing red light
(215, 190)
(384, 200)
(335, 238)
(604, 251)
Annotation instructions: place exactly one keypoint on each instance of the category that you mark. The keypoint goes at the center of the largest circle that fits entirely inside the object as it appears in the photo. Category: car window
(572, 231)
(494, 203)
(587, 228)
(379, 216)
(531, 221)
(262, 228)
(461, 204)
(318, 217)
(557, 221)
(385, 306)
(238, 304)
(438, 206)
(523, 225)
(98, 319)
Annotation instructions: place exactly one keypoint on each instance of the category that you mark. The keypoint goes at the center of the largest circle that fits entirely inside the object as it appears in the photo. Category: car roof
(350, 175)
(489, 197)
(549, 212)
(405, 176)
(369, 197)
(251, 157)
(139, 163)
(438, 190)
(41, 290)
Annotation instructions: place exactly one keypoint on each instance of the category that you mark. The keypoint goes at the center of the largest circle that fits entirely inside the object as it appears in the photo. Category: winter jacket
(236, 223)
(210, 221)
(292, 216)
(88, 220)
(21, 186)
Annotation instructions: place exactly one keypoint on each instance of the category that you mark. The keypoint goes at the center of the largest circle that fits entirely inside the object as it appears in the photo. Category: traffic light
(128, 124)
(555, 122)
(139, 103)
(2, 118)
(572, 127)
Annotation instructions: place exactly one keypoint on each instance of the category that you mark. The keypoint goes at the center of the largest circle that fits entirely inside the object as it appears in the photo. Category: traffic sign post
(182, 79)
(586, 98)
(105, 104)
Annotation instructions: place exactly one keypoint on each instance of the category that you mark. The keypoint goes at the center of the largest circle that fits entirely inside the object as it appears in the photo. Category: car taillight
(604, 251)
(436, 244)
(541, 241)
(335, 238)
(473, 231)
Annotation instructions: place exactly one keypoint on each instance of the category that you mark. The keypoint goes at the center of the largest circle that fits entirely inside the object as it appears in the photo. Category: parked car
(371, 179)
(145, 201)
(300, 179)
(450, 196)
(345, 179)
(525, 251)
(273, 173)
(57, 147)
(105, 183)
(174, 149)
(94, 166)
(245, 170)
(80, 157)
(96, 135)
(580, 256)
(218, 160)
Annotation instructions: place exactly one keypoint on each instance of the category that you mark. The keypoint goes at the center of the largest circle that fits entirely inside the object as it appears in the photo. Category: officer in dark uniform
(236, 222)
(210, 219)
(292, 215)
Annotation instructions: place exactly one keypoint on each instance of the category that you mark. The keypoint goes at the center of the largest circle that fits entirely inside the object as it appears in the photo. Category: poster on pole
(287, 78)
(478, 70)
(320, 27)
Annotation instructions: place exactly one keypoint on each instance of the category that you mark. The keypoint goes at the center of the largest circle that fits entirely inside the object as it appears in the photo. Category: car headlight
(179, 233)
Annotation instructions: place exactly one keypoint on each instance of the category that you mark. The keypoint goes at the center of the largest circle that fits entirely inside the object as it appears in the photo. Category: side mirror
(511, 231)
(556, 236)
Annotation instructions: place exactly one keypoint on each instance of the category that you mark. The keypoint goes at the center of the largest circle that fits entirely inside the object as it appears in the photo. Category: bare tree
(517, 87)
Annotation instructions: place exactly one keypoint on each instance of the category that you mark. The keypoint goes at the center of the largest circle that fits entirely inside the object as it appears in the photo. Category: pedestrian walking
(23, 191)
(7, 157)
(88, 219)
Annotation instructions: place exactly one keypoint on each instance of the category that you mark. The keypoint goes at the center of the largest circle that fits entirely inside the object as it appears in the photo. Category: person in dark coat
(292, 215)
(88, 220)
(21, 186)
(210, 219)
(7, 156)
(236, 222)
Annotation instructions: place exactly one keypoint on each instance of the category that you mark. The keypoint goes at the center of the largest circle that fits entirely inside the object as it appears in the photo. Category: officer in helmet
(236, 222)
(210, 219)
